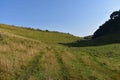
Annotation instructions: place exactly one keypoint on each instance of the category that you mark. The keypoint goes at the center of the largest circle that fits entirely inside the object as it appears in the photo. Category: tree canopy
(110, 26)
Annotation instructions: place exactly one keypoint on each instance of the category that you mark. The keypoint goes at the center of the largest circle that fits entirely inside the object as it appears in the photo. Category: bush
(47, 30)
(88, 37)
(1, 37)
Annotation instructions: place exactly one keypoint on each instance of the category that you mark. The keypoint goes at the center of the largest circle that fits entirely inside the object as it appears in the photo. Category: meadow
(27, 54)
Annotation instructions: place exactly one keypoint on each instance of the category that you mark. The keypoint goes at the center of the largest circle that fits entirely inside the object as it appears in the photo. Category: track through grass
(62, 57)
(64, 72)
(31, 66)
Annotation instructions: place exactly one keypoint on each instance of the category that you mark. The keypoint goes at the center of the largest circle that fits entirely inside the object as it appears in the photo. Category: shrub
(1, 37)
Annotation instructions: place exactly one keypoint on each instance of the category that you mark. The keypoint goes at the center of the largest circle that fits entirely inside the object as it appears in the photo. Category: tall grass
(21, 57)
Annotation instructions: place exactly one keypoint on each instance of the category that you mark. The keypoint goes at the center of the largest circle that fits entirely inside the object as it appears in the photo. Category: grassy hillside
(27, 54)
(44, 36)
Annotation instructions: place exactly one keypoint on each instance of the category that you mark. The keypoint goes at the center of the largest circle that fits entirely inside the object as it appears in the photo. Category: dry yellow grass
(15, 53)
(27, 54)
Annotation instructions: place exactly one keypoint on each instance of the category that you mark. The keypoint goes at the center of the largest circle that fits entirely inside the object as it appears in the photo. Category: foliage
(110, 26)
(1, 38)
(88, 37)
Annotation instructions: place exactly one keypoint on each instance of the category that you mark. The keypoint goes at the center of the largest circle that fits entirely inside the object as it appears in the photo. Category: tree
(110, 26)
(115, 15)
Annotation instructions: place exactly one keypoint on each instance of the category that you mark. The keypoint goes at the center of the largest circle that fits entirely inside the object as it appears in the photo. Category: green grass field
(27, 54)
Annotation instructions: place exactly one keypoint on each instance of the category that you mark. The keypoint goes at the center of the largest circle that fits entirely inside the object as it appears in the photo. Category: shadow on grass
(87, 43)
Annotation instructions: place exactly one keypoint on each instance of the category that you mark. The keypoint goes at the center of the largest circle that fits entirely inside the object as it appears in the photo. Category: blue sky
(78, 17)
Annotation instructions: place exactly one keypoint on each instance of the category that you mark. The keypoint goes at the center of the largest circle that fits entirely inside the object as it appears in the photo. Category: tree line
(110, 26)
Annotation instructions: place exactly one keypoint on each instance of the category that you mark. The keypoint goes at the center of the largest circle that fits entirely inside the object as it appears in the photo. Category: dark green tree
(110, 26)
(115, 15)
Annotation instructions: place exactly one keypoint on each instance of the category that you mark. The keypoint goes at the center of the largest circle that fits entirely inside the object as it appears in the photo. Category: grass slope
(27, 54)
(44, 36)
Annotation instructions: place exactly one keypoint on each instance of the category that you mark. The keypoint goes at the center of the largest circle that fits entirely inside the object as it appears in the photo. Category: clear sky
(78, 17)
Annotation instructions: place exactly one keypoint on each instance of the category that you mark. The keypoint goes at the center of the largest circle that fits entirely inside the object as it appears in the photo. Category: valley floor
(26, 58)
